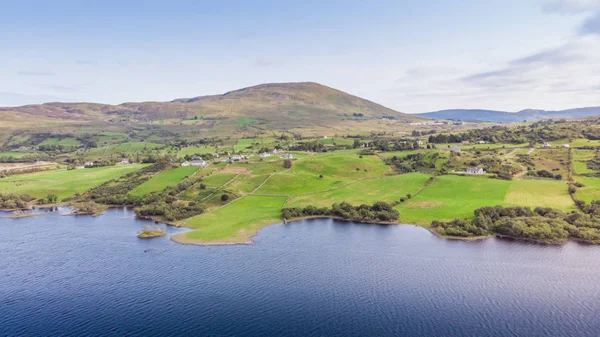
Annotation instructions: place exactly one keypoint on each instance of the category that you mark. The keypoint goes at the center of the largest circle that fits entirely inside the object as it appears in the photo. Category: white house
(287, 156)
(265, 154)
(419, 142)
(186, 163)
(481, 142)
(566, 145)
(235, 158)
(124, 161)
(455, 149)
(199, 162)
(88, 163)
(546, 145)
(475, 170)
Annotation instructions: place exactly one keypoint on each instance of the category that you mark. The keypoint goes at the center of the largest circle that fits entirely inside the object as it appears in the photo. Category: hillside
(509, 117)
(276, 106)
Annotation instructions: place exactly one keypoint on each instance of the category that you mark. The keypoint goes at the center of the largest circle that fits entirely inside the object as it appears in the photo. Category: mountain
(509, 117)
(274, 106)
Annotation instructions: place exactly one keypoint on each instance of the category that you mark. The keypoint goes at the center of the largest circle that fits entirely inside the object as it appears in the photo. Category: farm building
(475, 170)
(199, 162)
(546, 145)
(265, 154)
(287, 156)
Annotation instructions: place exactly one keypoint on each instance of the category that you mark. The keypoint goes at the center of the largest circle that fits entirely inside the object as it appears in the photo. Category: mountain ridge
(483, 115)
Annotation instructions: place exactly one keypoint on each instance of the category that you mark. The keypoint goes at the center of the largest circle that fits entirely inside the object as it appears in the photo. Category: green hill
(277, 106)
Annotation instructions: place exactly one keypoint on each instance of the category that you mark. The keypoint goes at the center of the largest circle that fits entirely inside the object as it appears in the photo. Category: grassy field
(129, 148)
(64, 141)
(244, 144)
(579, 159)
(575, 142)
(533, 193)
(236, 222)
(369, 191)
(16, 154)
(193, 150)
(164, 179)
(591, 191)
(245, 183)
(336, 170)
(450, 197)
(63, 183)
(217, 179)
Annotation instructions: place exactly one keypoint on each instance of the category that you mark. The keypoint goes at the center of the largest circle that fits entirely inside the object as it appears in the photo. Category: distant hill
(276, 106)
(509, 117)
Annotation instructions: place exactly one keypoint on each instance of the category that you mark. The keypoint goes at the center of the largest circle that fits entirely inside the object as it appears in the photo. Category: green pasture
(235, 222)
(388, 189)
(164, 179)
(69, 141)
(64, 183)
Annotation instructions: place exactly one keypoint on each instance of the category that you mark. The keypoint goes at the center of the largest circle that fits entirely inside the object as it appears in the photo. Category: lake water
(91, 276)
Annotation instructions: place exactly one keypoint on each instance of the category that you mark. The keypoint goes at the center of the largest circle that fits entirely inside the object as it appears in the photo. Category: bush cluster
(379, 211)
(14, 201)
(542, 224)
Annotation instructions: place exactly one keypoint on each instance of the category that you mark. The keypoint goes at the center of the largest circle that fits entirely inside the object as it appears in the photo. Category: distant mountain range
(509, 117)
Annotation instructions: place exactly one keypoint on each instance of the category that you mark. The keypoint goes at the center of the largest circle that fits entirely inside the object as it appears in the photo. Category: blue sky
(413, 56)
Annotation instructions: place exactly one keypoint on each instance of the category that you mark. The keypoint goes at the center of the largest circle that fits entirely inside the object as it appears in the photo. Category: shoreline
(182, 239)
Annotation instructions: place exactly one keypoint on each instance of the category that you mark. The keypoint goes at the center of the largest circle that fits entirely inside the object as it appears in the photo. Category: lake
(91, 276)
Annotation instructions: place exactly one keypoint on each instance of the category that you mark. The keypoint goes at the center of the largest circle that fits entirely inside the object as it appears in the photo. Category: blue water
(91, 276)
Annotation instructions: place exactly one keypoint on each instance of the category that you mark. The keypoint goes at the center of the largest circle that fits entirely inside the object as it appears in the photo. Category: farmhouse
(88, 164)
(287, 156)
(200, 163)
(475, 170)
(186, 163)
(566, 145)
(124, 161)
(235, 158)
(455, 149)
(265, 154)
(546, 145)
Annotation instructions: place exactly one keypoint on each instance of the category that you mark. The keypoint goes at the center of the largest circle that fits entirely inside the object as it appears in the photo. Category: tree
(287, 163)
(224, 197)
(51, 198)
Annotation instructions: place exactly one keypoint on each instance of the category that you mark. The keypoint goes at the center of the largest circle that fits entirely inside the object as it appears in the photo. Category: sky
(412, 56)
